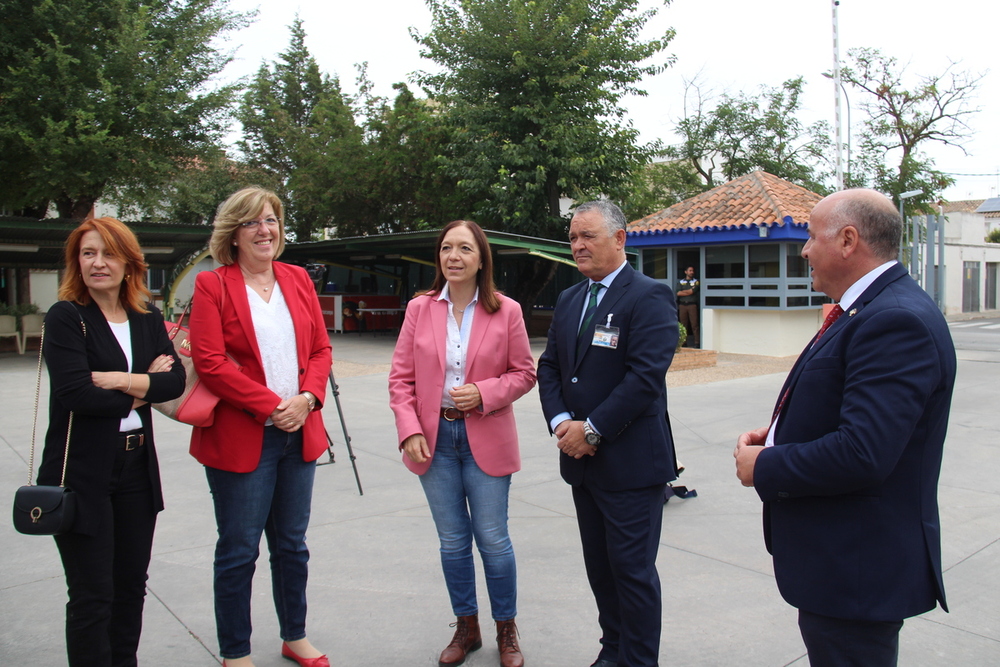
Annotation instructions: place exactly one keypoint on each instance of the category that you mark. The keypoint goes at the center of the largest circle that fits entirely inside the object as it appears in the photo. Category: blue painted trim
(788, 231)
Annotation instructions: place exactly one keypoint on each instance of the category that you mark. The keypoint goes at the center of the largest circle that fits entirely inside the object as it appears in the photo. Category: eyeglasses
(254, 224)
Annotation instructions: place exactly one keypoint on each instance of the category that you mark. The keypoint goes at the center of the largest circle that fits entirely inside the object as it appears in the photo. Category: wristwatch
(310, 399)
(592, 437)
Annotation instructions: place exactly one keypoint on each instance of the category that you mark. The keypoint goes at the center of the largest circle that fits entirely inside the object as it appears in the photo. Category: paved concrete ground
(376, 593)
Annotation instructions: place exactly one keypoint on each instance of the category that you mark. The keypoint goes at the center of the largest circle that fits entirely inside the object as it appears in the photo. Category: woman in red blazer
(461, 360)
(260, 451)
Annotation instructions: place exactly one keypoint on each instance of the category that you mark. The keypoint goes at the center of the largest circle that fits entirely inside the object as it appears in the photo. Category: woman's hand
(161, 364)
(110, 380)
(416, 448)
(291, 413)
(466, 397)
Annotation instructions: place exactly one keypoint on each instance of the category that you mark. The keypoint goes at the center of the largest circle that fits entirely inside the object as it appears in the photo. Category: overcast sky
(728, 45)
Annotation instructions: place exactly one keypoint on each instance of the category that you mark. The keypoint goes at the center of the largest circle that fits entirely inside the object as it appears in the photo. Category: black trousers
(106, 572)
(838, 642)
(620, 531)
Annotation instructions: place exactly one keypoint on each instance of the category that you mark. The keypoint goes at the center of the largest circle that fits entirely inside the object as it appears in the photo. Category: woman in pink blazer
(461, 360)
(260, 451)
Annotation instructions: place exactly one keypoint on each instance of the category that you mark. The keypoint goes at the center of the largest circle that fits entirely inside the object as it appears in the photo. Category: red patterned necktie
(831, 317)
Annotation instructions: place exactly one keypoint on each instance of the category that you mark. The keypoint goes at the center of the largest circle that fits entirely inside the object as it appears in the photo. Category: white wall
(772, 333)
(43, 287)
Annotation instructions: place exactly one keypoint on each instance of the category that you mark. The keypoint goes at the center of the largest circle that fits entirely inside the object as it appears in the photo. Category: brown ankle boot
(510, 652)
(466, 640)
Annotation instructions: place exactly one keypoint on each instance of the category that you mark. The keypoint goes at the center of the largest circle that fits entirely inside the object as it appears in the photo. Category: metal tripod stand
(347, 439)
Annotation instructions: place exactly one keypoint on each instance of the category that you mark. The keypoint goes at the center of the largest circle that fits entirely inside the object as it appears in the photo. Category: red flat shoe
(288, 653)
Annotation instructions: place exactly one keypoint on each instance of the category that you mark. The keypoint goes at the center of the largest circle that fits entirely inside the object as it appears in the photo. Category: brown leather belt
(132, 440)
(452, 414)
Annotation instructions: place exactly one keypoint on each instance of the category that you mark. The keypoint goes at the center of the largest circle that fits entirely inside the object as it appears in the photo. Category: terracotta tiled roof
(967, 206)
(758, 198)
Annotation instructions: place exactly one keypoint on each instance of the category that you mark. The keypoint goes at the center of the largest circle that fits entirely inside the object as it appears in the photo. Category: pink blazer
(233, 442)
(498, 362)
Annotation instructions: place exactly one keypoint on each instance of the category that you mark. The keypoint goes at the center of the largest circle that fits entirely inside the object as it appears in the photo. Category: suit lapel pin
(852, 312)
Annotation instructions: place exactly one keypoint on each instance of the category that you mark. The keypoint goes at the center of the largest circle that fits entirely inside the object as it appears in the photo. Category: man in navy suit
(848, 468)
(602, 383)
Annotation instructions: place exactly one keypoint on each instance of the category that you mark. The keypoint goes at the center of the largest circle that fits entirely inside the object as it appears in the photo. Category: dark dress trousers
(107, 554)
(618, 492)
(850, 487)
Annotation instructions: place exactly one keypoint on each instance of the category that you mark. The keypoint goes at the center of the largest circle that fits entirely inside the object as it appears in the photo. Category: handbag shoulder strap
(34, 420)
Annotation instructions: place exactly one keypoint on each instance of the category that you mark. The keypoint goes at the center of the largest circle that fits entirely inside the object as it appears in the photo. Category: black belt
(132, 439)
(452, 414)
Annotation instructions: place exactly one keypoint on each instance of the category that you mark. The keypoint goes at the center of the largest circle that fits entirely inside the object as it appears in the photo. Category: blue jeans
(465, 501)
(274, 499)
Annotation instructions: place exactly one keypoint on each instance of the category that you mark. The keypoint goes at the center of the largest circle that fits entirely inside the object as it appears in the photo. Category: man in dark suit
(850, 483)
(602, 383)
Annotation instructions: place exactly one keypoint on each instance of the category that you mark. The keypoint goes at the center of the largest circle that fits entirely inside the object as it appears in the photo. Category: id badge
(606, 335)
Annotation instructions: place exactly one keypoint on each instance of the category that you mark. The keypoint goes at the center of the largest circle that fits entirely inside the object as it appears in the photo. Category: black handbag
(45, 510)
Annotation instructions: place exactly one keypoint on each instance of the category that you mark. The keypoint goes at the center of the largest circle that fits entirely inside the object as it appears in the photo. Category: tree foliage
(747, 132)
(299, 127)
(406, 188)
(531, 89)
(902, 120)
(110, 93)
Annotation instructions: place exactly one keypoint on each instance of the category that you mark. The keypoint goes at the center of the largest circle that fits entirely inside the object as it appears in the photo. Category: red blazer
(233, 442)
(498, 362)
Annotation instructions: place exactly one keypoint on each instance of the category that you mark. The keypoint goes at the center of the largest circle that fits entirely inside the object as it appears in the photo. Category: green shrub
(993, 236)
(682, 338)
(18, 310)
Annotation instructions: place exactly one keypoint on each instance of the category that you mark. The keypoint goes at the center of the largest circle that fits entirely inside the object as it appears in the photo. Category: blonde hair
(240, 207)
(121, 242)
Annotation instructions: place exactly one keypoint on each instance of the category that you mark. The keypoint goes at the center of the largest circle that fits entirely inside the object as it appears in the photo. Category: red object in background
(345, 312)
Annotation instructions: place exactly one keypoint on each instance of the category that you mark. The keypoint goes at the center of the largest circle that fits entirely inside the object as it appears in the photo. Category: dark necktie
(591, 307)
(831, 317)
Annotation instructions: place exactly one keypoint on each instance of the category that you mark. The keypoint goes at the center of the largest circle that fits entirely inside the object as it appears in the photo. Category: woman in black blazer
(108, 358)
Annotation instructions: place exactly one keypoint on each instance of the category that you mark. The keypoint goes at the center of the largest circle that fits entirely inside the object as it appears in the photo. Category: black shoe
(601, 662)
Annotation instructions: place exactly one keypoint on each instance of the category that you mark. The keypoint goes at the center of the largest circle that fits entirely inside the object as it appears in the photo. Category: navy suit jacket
(850, 487)
(623, 391)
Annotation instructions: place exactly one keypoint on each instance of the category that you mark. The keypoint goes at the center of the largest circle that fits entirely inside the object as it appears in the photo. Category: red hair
(122, 243)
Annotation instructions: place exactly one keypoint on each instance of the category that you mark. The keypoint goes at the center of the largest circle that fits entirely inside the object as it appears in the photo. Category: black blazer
(850, 487)
(623, 390)
(71, 357)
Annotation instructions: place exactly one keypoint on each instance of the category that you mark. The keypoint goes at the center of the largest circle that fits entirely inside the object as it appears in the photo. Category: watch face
(593, 438)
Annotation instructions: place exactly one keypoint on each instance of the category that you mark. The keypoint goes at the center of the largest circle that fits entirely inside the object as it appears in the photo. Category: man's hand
(572, 441)
(748, 447)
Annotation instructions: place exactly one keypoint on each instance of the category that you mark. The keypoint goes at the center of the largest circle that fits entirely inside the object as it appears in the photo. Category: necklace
(254, 283)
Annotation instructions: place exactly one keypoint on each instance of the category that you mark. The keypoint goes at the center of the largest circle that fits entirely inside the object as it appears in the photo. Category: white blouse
(275, 331)
(123, 333)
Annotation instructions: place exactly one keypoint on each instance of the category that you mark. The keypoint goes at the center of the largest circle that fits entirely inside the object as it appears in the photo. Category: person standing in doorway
(688, 293)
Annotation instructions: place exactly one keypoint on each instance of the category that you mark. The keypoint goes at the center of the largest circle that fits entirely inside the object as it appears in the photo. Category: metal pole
(941, 273)
(836, 93)
(347, 439)
(930, 282)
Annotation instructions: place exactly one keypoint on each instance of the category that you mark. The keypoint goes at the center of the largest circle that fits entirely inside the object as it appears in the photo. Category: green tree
(299, 127)
(194, 192)
(902, 120)
(405, 186)
(657, 186)
(532, 91)
(747, 132)
(106, 94)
